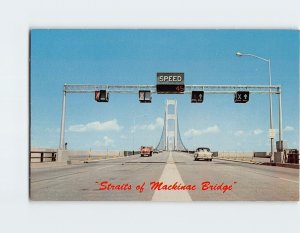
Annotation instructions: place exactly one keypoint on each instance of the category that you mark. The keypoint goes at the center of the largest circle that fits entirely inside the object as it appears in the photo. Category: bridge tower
(170, 139)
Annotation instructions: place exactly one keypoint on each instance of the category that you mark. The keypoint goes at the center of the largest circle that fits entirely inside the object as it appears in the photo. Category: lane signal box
(102, 96)
(197, 96)
(241, 97)
(145, 96)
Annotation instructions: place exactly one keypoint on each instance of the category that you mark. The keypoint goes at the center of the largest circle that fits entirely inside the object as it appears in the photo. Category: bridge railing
(43, 155)
(245, 156)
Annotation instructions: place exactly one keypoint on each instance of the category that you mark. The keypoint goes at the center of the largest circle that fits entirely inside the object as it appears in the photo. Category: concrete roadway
(249, 182)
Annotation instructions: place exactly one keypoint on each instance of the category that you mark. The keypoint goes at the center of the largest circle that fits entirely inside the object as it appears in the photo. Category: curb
(98, 160)
(287, 165)
(240, 161)
(48, 164)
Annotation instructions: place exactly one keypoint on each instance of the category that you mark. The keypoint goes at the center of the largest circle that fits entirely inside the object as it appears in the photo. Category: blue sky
(134, 57)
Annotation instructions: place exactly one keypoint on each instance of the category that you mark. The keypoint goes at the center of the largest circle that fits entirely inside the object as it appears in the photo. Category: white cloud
(239, 133)
(258, 131)
(159, 122)
(288, 128)
(108, 141)
(192, 132)
(197, 132)
(105, 141)
(96, 126)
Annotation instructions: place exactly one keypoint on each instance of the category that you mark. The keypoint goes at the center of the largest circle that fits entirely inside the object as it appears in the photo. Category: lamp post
(133, 130)
(239, 54)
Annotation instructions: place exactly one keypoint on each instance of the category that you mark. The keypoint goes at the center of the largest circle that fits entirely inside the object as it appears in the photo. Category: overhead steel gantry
(134, 89)
(209, 89)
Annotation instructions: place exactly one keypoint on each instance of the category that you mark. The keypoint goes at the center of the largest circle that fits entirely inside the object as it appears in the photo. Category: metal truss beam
(209, 89)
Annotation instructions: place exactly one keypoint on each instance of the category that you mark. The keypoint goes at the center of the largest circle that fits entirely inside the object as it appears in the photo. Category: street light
(239, 54)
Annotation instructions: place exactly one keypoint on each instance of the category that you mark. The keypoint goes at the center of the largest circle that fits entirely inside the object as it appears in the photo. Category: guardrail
(43, 156)
(248, 156)
(128, 153)
(262, 155)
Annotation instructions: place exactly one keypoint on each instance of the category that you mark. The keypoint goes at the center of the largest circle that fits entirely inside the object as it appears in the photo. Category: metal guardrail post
(53, 156)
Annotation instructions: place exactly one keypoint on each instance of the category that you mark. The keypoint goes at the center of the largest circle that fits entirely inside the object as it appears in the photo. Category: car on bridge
(155, 151)
(203, 153)
(146, 150)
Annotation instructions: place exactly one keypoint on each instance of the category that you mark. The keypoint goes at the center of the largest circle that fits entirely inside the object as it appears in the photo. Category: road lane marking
(276, 177)
(105, 167)
(171, 175)
(273, 176)
(289, 180)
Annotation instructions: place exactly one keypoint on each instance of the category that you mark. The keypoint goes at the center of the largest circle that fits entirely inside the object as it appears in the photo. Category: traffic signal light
(145, 96)
(197, 96)
(102, 96)
(241, 97)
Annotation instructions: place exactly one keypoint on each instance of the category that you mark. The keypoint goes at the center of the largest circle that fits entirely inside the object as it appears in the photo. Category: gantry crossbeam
(209, 89)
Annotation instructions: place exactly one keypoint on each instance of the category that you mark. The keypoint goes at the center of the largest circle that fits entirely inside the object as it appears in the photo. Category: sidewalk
(287, 165)
(241, 161)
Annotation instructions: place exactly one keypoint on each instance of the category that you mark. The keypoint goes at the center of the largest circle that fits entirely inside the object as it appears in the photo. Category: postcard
(164, 115)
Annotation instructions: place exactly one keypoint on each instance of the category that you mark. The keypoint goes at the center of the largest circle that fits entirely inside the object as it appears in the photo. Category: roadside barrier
(40, 156)
(243, 156)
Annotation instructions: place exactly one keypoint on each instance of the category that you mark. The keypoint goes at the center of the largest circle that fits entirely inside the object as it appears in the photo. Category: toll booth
(291, 156)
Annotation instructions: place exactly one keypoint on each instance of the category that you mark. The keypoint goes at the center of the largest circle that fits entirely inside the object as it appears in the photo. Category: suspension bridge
(172, 167)
(170, 138)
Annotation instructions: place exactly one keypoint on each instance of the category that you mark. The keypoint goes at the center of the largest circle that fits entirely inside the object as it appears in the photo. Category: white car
(203, 153)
